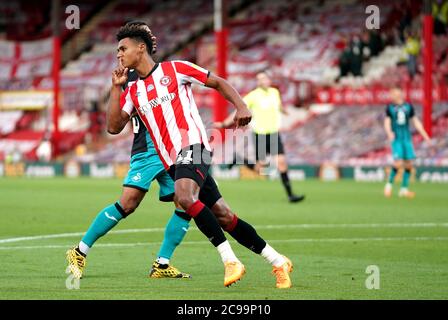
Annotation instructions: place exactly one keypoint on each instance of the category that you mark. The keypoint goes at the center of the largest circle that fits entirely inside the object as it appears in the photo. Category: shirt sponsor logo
(372, 174)
(436, 176)
(155, 102)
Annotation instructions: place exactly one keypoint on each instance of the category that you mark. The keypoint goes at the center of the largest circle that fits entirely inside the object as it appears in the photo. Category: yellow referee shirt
(265, 105)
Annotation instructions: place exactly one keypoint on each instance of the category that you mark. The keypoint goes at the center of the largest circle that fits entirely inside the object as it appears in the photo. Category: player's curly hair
(140, 31)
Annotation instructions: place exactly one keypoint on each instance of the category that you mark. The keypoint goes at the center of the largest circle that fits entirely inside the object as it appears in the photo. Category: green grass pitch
(341, 229)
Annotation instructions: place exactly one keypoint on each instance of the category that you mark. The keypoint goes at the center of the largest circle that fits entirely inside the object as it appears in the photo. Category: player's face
(396, 95)
(263, 81)
(129, 53)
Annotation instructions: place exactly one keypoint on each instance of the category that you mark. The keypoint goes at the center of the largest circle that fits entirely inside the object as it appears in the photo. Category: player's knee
(129, 204)
(226, 220)
(408, 165)
(223, 214)
(282, 167)
(128, 209)
(185, 200)
(281, 164)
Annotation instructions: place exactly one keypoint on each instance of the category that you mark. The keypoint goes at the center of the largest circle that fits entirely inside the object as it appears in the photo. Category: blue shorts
(143, 169)
(403, 150)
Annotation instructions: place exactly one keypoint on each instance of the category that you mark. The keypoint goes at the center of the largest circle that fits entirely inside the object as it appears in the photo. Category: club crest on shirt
(165, 81)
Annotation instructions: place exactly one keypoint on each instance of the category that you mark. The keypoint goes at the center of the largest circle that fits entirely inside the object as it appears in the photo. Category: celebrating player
(398, 115)
(178, 224)
(163, 99)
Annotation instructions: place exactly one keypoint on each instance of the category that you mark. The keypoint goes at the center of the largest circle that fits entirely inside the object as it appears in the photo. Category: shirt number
(185, 160)
(135, 125)
(401, 117)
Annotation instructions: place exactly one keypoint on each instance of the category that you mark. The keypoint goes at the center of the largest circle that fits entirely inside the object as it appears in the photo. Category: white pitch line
(76, 234)
(260, 227)
(137, 244)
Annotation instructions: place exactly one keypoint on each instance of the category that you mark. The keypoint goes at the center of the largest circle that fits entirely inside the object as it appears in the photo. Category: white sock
(272, 256)
(162, 260)
(83, 247)
(226, 252)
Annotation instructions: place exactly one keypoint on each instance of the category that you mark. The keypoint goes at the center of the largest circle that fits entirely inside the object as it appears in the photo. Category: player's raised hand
(119, 76)
(242, 117)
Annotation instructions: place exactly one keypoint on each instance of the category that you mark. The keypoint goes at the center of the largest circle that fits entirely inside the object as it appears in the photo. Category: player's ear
(141, 47)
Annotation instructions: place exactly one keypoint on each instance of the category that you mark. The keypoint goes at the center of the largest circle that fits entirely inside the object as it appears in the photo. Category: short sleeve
(388, 111)
(190, 73)
(411, 111)
(126, 103)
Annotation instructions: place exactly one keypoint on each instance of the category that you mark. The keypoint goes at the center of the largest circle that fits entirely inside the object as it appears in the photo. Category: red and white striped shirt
(164, 101)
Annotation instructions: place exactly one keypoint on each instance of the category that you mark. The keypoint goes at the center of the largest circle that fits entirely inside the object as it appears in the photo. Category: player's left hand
(242, 117)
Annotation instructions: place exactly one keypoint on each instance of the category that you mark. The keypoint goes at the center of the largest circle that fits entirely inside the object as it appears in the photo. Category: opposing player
(145, 167)
(398, 116)
(163, 99)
